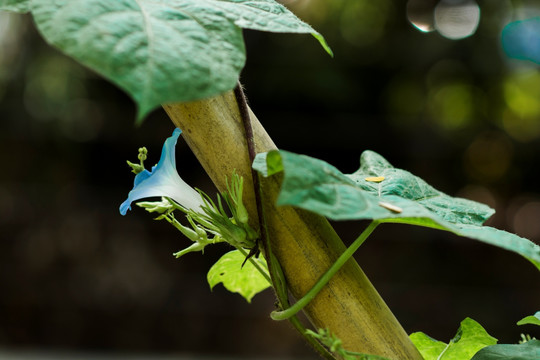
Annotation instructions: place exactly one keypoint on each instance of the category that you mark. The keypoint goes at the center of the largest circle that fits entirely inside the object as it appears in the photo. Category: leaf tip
(323, 43)
(142, 113)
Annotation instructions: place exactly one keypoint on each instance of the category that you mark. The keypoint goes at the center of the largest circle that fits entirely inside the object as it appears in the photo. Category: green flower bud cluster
(197, 234)
(235, 229)
(138, 168)
(211, 223)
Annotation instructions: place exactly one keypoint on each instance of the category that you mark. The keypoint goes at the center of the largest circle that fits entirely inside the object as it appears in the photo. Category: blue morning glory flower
(163, 180)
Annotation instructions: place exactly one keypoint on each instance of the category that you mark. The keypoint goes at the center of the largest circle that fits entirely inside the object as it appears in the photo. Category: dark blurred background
(438, 98)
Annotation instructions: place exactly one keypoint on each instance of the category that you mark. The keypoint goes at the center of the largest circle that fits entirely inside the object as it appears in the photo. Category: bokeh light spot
(452, 105)
(363, 22)
(420, 14)
(521, 128)
(312, 11)
(11, 27)
(457, 19)
(52, 82)
(489, 156)
(480, 194)
(525, 220)
(521, 119)
(521, 39)
(521, 90)
(405, 99)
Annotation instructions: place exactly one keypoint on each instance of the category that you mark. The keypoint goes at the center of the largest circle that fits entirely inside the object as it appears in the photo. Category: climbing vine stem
(323, 280)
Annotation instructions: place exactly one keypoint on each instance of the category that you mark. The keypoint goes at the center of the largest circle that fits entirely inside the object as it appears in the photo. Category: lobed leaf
(20, 6)
(400, 197)
(470, 338)
(526, 351)
(245, 280)
(162, 51)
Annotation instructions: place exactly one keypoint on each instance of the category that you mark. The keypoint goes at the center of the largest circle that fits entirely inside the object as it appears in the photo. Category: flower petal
(163, 180)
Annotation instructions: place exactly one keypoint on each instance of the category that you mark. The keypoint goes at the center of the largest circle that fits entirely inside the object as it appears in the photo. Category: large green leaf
(245, 280)
(265, 15)
(381, 192)
(470, 338)
(401, 183)
(162, 51)
(20, 6)
(527, 351)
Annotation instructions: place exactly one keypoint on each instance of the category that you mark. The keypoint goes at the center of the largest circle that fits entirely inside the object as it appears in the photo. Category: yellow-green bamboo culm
(305, 244)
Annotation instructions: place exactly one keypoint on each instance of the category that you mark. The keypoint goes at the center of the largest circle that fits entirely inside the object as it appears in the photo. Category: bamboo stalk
(304, 243)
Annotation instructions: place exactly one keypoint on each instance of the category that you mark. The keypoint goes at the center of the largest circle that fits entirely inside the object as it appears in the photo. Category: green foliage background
(77, 275)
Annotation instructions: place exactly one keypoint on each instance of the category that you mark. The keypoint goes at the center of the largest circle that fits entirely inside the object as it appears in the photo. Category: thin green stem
(325, 278)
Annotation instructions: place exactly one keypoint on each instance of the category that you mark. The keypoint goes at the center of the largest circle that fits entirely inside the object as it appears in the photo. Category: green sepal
(162, 206)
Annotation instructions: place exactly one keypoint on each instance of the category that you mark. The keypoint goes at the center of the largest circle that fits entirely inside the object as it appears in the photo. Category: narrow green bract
(162, 51)
(470, 338)
(245, 280)
(401, 197)
(20, 6)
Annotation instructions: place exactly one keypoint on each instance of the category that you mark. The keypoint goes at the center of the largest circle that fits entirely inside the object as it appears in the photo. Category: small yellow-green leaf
(470, 338)
(530, 320)
(246, 280)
